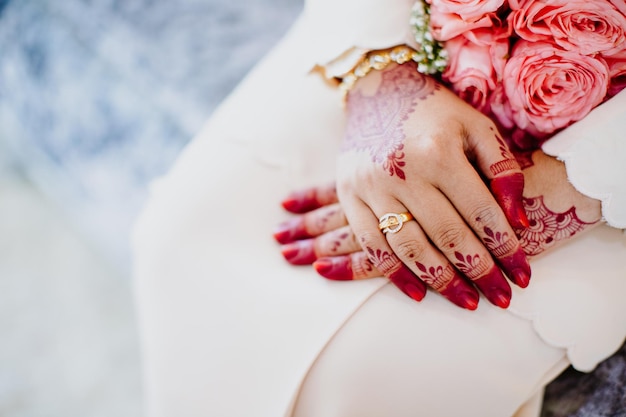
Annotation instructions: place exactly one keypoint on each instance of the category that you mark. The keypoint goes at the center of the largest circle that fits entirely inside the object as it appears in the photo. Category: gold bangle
(377, 60)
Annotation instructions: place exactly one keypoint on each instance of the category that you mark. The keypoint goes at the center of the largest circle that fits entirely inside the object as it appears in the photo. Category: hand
(557, 212)
(409, 147)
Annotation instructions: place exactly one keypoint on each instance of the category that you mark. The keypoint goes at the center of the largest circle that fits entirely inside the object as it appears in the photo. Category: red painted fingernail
(522, 217)
(495, 287)
(301, 201)
(461, 294)
(508, 192)
(499, 297)
(517, 268)
(414, 292)
(291, 230)
(408, 283)
(299, 253)
(468, 300)
(338, 268)
(520, 277)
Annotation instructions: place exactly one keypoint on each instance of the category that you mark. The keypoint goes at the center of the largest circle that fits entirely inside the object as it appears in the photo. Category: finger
(351, 267)
(449, 233)
(365, 226)
(311, 198)
(357, 266)
(474, 202)
(311, 224)
(414, 250)
(506, 180)
(336, 242)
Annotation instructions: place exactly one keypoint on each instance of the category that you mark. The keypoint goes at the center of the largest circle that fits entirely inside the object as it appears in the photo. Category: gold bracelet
(377, 60)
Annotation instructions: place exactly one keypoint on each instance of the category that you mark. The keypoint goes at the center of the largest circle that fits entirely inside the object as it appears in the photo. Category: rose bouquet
(533, 66)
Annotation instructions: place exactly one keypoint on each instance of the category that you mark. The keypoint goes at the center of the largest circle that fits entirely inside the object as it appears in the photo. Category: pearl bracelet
(377, 60)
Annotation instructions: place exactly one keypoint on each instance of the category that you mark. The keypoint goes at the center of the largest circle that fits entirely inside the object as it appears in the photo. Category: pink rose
(548, 88)
(470, 72)
(445, 26)
(476, 64)
(467, 10)
(585, 26)
(619, 5)
(617, 72)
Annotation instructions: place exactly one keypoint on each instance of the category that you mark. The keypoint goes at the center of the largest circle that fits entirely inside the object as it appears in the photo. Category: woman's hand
(413, 147)
(556, 210)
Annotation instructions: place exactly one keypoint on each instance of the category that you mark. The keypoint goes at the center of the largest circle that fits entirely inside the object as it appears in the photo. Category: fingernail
(468, 300)
(337, 269)
(299, 253)
(522, 217)
(291, 230)
(520, 277)
(517, 268)
(414, 292)
(508, 192)
(300, 202)
(498, 297)
(408, 283)
(495, 287)
(466, 297)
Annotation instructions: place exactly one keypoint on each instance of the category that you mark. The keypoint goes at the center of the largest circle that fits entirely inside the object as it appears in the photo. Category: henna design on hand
(398, 273)
(508, 161)
(509, 254)
(500, 244)
(362, 266)
(320, 223)
(336, 243)
(437, 277)
(384, 261)
(376, 122)
(472, 266)
(547, 227)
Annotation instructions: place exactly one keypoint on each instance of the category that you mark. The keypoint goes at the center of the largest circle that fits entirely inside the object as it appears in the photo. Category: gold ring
(393, 222)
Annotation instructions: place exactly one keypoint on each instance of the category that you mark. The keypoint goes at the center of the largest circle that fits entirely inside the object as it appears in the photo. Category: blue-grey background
(97, 97)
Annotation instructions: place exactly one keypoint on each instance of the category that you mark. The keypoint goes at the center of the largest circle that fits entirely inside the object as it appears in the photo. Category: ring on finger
(393, 222)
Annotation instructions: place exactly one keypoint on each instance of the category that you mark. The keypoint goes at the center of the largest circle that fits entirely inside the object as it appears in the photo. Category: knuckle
(411, 249)
(368, 240)
(449, 235)
(486, 214)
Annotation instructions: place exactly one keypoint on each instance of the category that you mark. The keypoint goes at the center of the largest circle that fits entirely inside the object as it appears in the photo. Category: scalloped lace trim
(575, 299)
(594, 151)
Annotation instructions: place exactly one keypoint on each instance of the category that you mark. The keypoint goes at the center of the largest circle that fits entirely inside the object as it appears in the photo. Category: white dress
(229, 328)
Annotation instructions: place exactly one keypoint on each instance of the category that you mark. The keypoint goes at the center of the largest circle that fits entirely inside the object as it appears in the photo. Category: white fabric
(228, 328)
(594, 152)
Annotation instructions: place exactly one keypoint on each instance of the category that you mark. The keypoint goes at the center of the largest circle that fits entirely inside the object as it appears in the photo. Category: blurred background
(97, 97)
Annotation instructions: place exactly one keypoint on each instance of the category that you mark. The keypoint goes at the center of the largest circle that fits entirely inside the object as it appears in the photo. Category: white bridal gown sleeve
(228, 328)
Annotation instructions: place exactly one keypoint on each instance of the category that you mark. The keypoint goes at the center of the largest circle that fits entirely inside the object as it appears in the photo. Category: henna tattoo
(472, 266)
(546, 226)
(376, 122)
(361, 266)
(437, 277)
(384, 261)
(500, 244)
(336, 243)
(320, 222)
(508, 161)
(509, 254)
